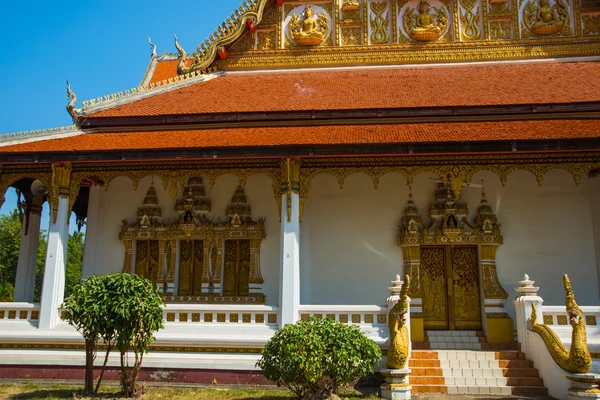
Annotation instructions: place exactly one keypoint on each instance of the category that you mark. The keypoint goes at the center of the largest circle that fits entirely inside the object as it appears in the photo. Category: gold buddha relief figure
(309, 31)
(544, 19)
(425, 23)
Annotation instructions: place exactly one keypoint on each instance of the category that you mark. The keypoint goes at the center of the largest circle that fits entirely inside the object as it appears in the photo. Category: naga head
(573, 310)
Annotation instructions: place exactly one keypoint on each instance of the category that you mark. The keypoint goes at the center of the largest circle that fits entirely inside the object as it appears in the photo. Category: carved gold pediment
(449, 223)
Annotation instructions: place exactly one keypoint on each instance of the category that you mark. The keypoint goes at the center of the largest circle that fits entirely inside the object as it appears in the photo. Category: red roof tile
(358, 88)
(318, 135)
(164, 70)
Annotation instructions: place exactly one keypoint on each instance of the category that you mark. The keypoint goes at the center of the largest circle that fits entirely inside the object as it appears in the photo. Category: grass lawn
(37, 391)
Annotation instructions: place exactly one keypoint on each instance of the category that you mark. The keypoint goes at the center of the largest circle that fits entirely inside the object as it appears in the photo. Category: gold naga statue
(578, 359)
(309, 32)
(397, 355)
(544, 19)
(425, 26)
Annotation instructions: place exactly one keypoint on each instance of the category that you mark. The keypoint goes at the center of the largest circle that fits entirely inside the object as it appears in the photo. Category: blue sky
(100, 46)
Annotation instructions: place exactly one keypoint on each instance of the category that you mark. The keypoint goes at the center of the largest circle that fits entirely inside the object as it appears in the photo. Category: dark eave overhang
(587, 110)
(314, 151)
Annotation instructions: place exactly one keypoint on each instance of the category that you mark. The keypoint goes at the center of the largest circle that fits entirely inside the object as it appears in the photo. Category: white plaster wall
(350, 252)
(349, 238)
(122, 201)
(547, 232)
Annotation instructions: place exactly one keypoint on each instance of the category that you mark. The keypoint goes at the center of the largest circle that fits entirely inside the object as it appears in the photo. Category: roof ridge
(93, 104)
(37, 133)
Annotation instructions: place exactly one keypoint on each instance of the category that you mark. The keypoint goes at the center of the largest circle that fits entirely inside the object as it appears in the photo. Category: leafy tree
(312, 358)
(135, 312)
(85, 309)
(10, 242)
(6, 291)
(74, 261)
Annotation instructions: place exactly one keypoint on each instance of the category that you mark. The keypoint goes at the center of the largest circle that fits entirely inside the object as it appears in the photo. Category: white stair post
(523, 304)
(93, 233)
(28, 252)
(289, 292)
(53, 287)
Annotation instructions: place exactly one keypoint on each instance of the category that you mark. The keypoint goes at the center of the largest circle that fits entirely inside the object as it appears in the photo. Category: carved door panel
(433, 279)
(191, 261)
(237, 268)
(147, 259)
(465, 296)
(450, 282)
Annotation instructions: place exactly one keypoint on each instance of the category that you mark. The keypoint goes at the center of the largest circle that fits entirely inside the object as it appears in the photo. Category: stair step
(417, 372)
(523, 390)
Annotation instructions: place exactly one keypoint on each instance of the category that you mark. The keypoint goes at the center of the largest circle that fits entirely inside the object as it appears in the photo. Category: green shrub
(312, 358)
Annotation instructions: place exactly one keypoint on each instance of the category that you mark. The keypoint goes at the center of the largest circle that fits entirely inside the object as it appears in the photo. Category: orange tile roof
(164, 70)
(358, 88)
(318, 135)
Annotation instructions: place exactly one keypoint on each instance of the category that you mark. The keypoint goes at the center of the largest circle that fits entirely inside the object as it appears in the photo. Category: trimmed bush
(312, 358)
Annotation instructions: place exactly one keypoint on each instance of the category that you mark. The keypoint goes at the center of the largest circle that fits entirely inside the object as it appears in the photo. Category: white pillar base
(396, 385)
(583, 386)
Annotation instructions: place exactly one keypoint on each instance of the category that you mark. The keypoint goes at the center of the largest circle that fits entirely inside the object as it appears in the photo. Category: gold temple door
(450, 282)
(190, 267)
(147, 259)
(236, 280)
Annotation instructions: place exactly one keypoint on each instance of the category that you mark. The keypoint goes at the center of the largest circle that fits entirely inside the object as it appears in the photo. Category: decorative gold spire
(150, 210)
(239, 207)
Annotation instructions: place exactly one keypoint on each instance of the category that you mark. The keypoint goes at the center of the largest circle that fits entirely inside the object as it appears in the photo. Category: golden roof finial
(152, 47)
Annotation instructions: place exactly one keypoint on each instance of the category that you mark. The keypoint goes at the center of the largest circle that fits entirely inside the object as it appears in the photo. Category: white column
(28, 252)
(289, 296)
(523, 305)
(53, 288)
(92, 251)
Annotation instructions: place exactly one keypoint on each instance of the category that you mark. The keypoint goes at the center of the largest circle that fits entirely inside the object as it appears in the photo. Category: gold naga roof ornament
(73, 112)
(425, 23)
(577, 359)
(543, 19)
(309, 31)
(249, 13)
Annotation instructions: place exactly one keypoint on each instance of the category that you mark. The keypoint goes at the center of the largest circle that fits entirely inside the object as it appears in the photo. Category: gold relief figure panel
(266, 40)
(351, 36)
(591, 24)
(500, 30)
(546, 17)
(425, 23)
(309, 25)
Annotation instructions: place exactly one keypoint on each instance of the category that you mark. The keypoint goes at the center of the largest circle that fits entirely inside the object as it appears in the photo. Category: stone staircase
(465, 365)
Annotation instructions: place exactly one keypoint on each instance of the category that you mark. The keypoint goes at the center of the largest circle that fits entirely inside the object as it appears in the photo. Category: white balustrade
(220, 314)
(352, 315)
(19, 311)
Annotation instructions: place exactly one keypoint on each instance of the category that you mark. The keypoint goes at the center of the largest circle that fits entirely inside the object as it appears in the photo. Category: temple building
(307, 153)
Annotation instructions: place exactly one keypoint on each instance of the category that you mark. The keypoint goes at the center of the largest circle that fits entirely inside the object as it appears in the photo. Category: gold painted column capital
(61, 185)
(290, 183)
